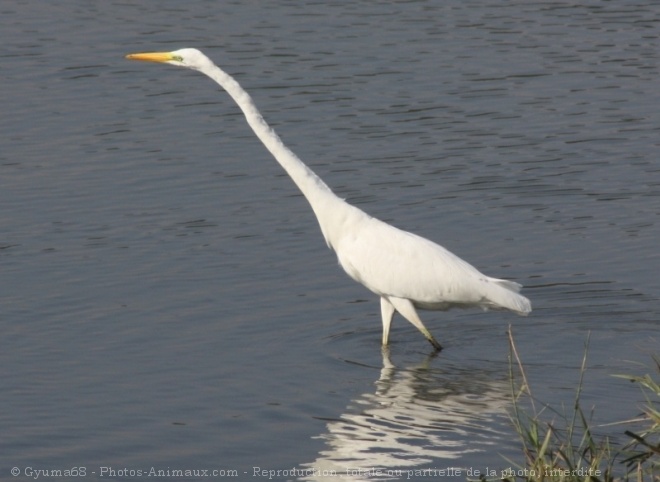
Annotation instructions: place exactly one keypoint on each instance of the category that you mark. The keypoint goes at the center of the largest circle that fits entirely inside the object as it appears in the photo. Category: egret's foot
(435, 344)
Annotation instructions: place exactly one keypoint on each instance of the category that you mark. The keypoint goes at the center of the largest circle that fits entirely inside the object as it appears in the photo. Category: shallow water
(167, 298)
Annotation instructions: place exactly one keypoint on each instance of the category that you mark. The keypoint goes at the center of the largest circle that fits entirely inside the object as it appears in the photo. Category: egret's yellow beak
(153, 57)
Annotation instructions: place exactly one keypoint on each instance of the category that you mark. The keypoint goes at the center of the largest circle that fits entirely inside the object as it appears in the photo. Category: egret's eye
(177, 58)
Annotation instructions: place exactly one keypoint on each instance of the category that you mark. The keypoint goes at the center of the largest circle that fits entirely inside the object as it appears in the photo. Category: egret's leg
(387, 312)
(407, 310)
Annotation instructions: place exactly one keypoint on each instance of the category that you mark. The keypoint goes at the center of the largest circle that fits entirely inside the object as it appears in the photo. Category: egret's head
(189, 58)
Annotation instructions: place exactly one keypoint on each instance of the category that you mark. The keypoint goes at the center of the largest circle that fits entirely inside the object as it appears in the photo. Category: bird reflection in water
(418, 420)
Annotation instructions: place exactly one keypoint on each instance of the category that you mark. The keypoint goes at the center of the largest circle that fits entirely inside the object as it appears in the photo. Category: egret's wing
(393, 262)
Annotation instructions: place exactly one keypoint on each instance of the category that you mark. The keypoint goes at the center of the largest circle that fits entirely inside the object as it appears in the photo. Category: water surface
(167, 298)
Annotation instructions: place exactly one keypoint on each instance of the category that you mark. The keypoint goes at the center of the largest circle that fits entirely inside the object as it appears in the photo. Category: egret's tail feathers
(504, 294)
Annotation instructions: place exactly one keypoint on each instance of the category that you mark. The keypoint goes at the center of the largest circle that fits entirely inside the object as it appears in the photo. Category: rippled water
(167, 298)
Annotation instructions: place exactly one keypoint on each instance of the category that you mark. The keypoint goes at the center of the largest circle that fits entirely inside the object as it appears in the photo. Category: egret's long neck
(323, 201)
(308, 182)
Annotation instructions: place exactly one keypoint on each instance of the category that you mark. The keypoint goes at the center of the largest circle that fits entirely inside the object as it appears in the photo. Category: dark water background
(167, 300)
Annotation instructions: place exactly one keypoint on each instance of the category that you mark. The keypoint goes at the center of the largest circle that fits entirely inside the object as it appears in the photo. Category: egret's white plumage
(405, 270)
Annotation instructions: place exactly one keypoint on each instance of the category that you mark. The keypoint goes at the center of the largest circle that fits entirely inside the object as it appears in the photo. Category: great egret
(405, 270)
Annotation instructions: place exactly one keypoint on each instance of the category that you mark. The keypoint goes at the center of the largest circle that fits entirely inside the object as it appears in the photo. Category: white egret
(407, 271)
